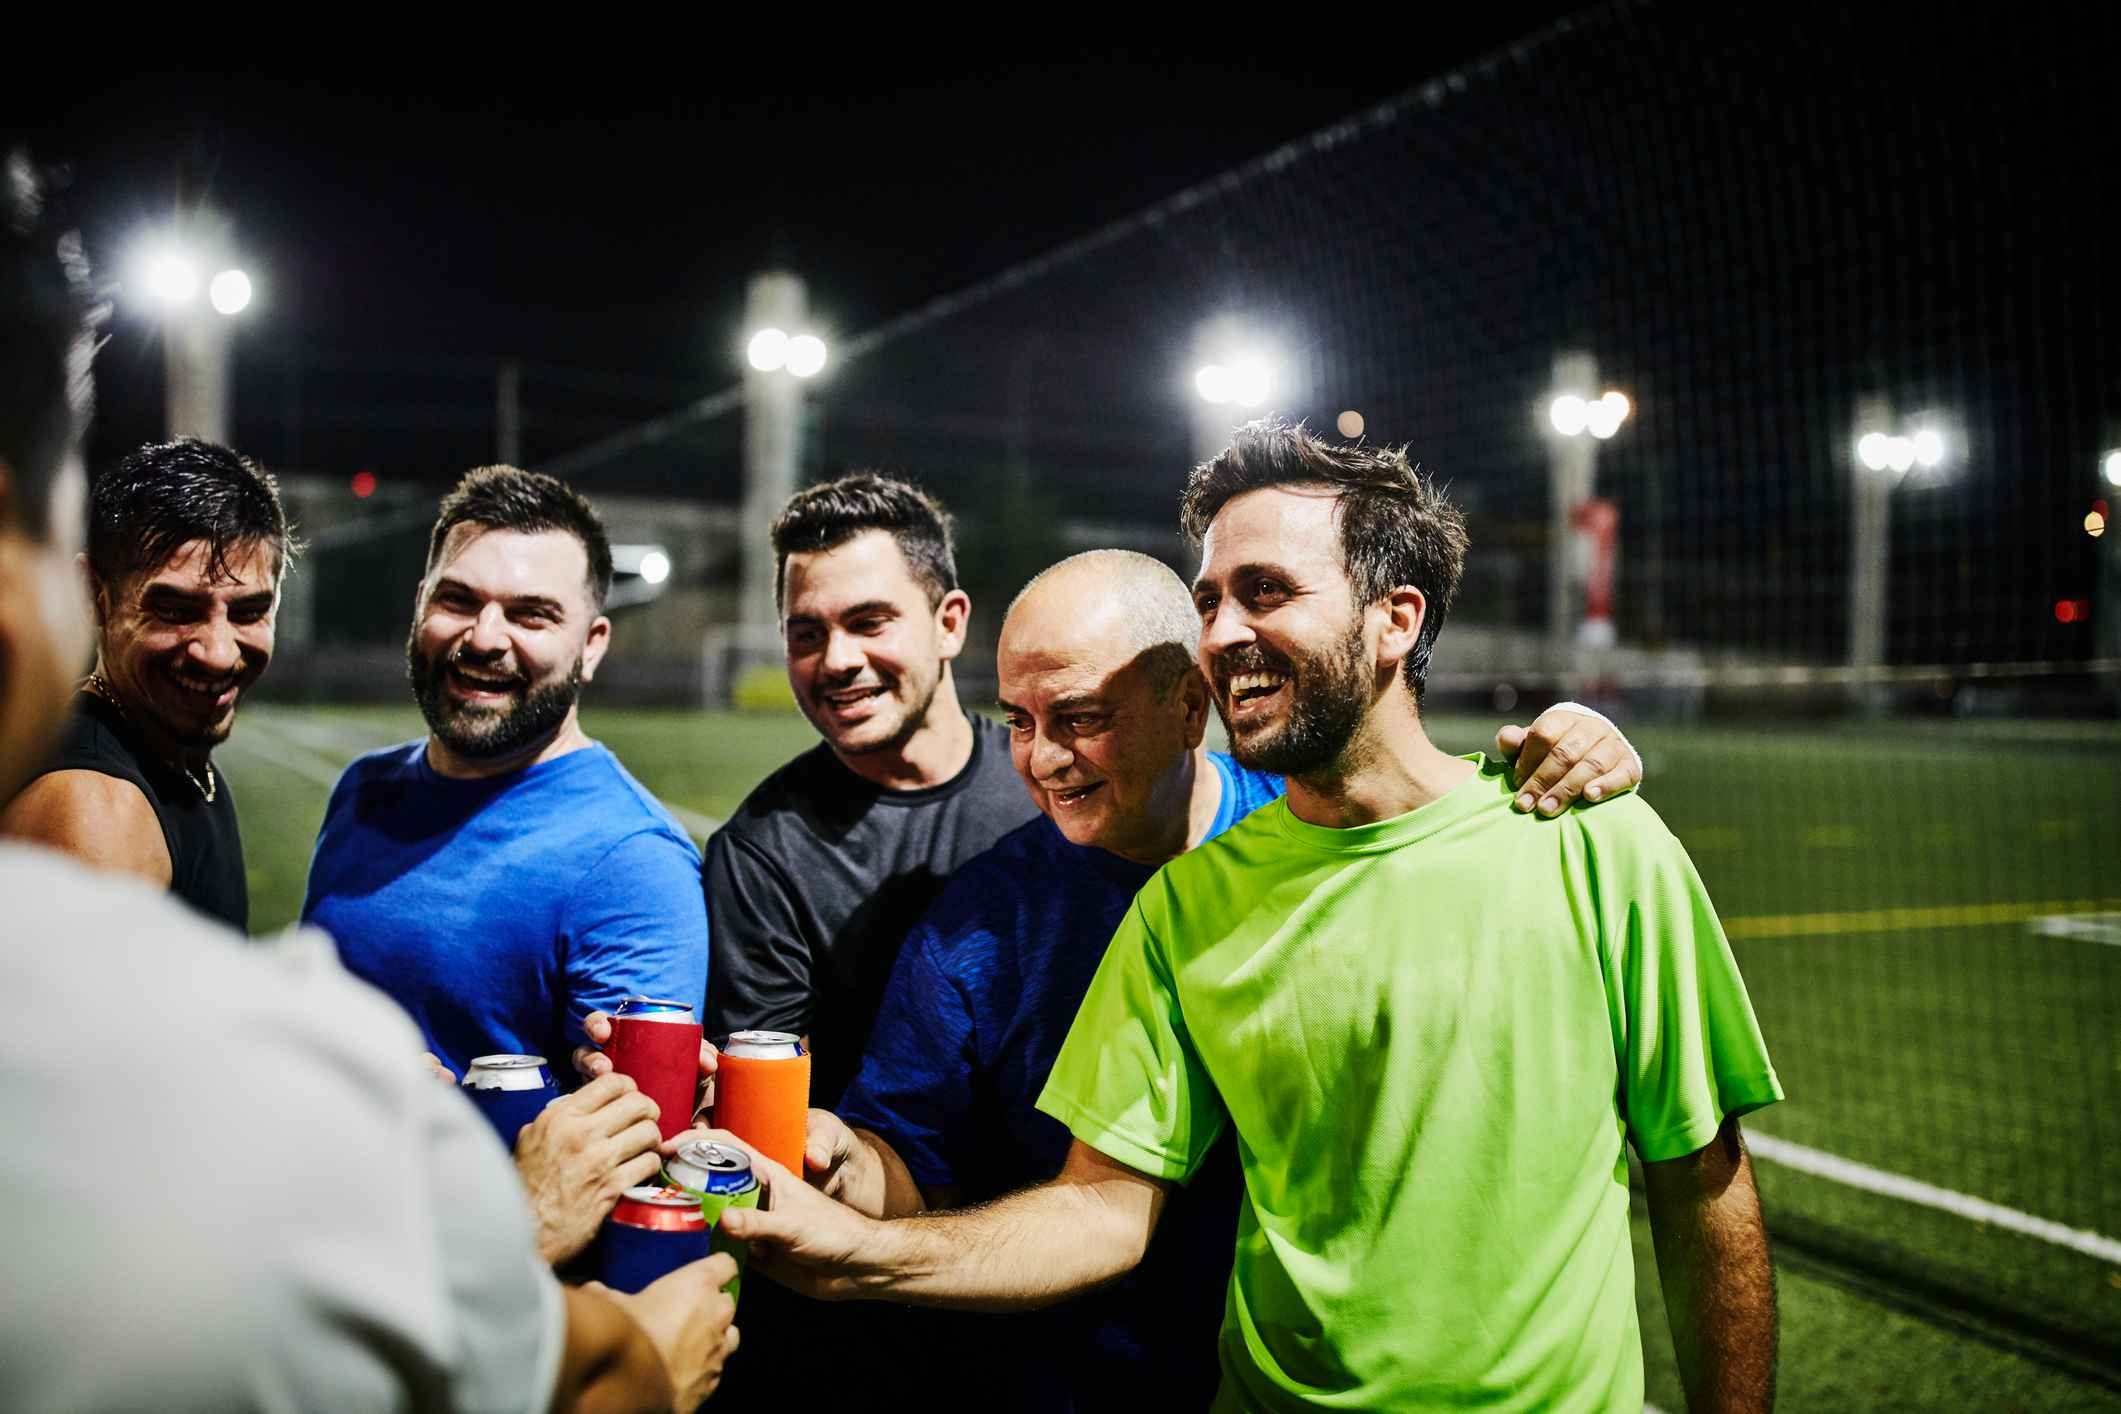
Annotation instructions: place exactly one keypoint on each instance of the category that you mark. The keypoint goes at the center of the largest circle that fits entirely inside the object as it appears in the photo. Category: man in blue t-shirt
(1107, 712)
(506, 876)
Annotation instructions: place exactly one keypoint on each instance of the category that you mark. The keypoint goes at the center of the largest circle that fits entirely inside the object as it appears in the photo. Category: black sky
(603, 209)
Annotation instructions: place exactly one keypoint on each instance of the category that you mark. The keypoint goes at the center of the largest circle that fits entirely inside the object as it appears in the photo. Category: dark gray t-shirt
(817, 879)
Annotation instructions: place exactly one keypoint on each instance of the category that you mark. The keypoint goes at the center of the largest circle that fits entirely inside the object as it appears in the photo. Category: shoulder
(102, 819)
(636, 816)
(987, 896)
(785, 796)
(399, 762)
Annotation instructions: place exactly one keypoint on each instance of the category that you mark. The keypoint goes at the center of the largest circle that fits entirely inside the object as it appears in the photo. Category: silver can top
(763, 1045)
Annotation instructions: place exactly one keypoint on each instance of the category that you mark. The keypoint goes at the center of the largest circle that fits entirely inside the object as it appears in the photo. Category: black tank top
(205, 848)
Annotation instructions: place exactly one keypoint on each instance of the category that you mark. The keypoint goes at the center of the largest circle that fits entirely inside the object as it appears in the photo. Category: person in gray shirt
(227, 1182)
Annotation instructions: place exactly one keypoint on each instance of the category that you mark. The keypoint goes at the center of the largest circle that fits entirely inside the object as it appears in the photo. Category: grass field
(1883, 888)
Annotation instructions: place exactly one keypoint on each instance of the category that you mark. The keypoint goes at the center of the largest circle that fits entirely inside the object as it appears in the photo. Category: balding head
(1104, 700)
(1127, 603)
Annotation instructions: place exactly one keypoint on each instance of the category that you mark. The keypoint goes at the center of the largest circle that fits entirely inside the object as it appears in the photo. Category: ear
(953, 619)
(593, 650)
(1193, 700)
(92, 586)
(1406, 609)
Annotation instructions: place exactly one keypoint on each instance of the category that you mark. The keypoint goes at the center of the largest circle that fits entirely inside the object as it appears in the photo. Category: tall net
(1833, 568)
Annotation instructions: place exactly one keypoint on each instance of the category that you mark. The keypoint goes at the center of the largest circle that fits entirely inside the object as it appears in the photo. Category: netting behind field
(1853, 276)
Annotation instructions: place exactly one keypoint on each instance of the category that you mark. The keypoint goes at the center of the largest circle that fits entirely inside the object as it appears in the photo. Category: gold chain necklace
(206, 788)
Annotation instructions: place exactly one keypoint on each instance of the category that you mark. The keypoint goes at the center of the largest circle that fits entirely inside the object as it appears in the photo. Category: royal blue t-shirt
(500, 912)
(982, 996)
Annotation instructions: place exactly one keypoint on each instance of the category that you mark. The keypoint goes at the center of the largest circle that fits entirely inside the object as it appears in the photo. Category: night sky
(601, 210)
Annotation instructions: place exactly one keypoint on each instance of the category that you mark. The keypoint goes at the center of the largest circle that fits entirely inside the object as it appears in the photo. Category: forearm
(609, 1366)
(876, 1182)
(1718, 1281)
(1031, 1249)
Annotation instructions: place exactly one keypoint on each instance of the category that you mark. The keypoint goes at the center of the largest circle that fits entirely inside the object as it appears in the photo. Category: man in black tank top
(187, 546)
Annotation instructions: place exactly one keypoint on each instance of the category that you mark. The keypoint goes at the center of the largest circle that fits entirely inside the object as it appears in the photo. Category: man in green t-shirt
(1431, 1074)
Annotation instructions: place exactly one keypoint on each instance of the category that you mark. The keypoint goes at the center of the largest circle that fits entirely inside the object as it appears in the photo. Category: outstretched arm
(1084, 1227)
(1712, 1260)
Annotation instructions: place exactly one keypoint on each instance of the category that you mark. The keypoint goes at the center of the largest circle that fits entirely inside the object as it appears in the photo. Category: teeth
(1245, 682)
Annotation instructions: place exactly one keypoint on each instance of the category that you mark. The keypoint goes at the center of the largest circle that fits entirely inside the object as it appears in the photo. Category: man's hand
(580, 1154)
(591, 1062)
(830, 1150)
(1568, 753)
(807, 1241)
(440, 1071)
(689, 1319)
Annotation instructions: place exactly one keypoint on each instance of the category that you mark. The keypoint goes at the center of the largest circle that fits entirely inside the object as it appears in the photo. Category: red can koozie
(657, 1043)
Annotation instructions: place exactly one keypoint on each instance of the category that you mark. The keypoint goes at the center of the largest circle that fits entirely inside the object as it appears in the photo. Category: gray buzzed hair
(1163, 627)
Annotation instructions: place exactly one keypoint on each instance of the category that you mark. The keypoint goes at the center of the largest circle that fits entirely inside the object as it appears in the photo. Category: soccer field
(1915, 907)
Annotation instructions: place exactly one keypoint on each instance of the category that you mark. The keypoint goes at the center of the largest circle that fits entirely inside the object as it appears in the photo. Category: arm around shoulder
(103, 821)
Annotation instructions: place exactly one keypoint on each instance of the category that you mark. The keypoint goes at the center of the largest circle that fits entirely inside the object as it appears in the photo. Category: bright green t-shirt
(1433, 1035)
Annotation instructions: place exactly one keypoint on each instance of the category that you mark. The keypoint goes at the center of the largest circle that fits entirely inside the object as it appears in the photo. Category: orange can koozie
(762, 1094)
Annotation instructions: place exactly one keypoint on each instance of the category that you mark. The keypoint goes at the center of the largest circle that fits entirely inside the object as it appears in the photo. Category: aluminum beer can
(510, 1091)
(720, 1178)
(650, 1234)
(657, 1043)
(764, 1045)
(762, 1094)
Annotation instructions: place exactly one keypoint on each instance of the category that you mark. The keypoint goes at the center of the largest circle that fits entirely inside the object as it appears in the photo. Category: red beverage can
(657, 1043)
(650, 1234)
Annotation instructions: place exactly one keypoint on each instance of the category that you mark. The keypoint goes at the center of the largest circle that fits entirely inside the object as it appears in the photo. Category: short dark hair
(168, 494)
(827, 516)
(48, 324)
(1396, 527)
(510, 498)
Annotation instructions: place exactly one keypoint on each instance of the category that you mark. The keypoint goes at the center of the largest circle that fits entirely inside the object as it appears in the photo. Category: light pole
(1886, 449)
(197, 334)
(779, 358)
(2106, 615)
(1582, 530)
(1235, 372)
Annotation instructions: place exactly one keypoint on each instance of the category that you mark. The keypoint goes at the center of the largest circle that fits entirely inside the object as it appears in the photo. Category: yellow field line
(1899, 920)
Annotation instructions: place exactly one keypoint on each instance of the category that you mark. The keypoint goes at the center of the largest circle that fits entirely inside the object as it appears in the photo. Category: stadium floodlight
(1569, 414)
(1928, 447)
(805, 355)
(1899, 454)
(1874, 450)
(655, 567)
(1350, 424)
(2112, 467)
(1603, 417)
(2094, 525)
(1250, 382)
(170, 278)
(1215, 384)
(230, 292)
(768, 350)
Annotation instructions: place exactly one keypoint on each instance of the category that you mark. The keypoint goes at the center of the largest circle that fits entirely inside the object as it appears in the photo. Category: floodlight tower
(1576, 419)
(2106, 602)
(197, 335)
(779, 358)
(1235, 373)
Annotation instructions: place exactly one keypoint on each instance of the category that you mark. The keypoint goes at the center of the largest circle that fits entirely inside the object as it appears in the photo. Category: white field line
(293, 746)
(1836, 1169)
(264, 741)
(2088, 927)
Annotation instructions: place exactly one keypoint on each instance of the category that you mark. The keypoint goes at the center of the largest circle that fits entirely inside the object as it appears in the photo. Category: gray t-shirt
(227, 1181)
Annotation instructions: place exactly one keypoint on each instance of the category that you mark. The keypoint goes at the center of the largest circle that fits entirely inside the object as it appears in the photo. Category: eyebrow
(173, 593)
(1243, 572)
(867, 606)
(543, 603)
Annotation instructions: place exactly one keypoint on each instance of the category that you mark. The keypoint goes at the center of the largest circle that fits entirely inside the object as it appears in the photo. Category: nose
(213, 648)
(1226, 630)
(843, 656)
(489, 631)
(1048, 757)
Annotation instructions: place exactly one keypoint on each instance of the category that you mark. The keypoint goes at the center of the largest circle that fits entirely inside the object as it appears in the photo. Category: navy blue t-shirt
(500, 912)
(981, 998)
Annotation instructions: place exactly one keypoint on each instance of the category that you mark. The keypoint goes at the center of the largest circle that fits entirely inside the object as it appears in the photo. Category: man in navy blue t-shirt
(506, 876)
(1107, 713)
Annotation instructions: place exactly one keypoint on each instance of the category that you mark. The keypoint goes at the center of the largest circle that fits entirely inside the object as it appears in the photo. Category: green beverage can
(720, 1177)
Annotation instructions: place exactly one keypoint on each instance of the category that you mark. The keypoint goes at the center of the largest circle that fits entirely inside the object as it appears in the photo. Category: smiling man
(506, 876)
(187, 546)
